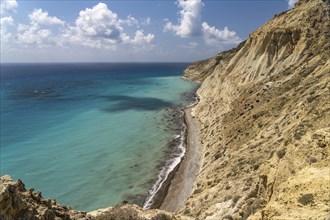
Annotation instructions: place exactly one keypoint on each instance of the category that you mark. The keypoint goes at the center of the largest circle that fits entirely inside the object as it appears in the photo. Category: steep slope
(200, 70)
(264, 115)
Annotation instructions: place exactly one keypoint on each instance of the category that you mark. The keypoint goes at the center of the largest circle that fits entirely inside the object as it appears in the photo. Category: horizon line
(101, 62)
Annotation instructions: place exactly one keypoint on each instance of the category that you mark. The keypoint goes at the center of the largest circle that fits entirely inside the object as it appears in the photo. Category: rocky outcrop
(264, 112)
(16, 202)
(134, 212)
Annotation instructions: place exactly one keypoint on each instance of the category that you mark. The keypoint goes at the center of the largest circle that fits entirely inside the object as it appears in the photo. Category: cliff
(264, 120)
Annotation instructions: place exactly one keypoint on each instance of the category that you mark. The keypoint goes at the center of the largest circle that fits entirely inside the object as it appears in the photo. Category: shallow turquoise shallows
(90, 135)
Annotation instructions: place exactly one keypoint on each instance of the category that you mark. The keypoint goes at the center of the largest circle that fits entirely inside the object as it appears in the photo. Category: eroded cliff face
(200, 70)
(264, 112)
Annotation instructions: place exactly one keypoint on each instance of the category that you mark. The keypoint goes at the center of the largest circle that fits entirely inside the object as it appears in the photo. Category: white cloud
(190, 19)
(146, 21)
(33, 34)
(99, 26)
(213, 36)
(140, 38)
(41, 17)
(291, 3)
(8, 6)
(130, 21)
(22, 27)
(190, 24)
(5, 36)
(7, 21)
(100, 22)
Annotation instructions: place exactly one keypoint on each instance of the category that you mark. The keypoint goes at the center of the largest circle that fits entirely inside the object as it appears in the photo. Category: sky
(128, 31)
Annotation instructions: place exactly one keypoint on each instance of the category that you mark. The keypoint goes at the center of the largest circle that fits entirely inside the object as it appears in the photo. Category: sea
(93, 135)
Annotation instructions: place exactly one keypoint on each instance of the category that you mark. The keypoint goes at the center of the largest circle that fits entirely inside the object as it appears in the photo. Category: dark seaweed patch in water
(190, 96)
(51, 91)
(122, 103)
(173, 119)
(138, 82)
(37, 94)
(137, 199)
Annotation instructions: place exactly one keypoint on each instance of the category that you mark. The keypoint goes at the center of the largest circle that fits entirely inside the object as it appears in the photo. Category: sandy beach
(181, 185)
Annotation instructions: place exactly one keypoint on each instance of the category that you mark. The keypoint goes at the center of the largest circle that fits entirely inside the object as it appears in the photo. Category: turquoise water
(91, 135)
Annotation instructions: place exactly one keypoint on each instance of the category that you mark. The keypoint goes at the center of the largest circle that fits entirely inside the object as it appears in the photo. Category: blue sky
(128, 31)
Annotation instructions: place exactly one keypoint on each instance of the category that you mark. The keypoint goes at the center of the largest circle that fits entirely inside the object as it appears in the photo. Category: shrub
(218, 59)
(280, 154)
(217, 155)
(306, 199)
(312, 159)
(236, 198)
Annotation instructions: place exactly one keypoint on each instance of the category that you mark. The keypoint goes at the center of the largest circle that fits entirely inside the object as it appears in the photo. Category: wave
(170, 164)
(174, 160)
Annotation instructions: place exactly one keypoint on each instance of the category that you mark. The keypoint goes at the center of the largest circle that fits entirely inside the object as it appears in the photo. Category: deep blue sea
(92, 135)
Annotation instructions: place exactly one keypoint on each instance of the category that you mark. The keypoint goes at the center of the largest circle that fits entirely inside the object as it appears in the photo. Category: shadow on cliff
(123, 103)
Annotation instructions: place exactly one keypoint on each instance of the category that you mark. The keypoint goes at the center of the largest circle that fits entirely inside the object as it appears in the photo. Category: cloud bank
(96, 27)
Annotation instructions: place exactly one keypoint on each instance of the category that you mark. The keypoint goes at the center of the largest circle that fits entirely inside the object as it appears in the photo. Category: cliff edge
(17, 202)
(265, 123)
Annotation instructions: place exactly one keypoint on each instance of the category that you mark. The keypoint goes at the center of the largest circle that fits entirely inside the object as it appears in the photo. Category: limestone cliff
(264, 115)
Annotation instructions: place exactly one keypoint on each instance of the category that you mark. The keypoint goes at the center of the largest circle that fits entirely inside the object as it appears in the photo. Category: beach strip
(184, 176)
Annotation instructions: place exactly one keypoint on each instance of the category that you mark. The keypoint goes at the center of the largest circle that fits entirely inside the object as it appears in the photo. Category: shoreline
(160, 187)
(184, 177)
(178, 185)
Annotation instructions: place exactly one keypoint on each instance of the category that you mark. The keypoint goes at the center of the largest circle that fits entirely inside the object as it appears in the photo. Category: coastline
(178, 185)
